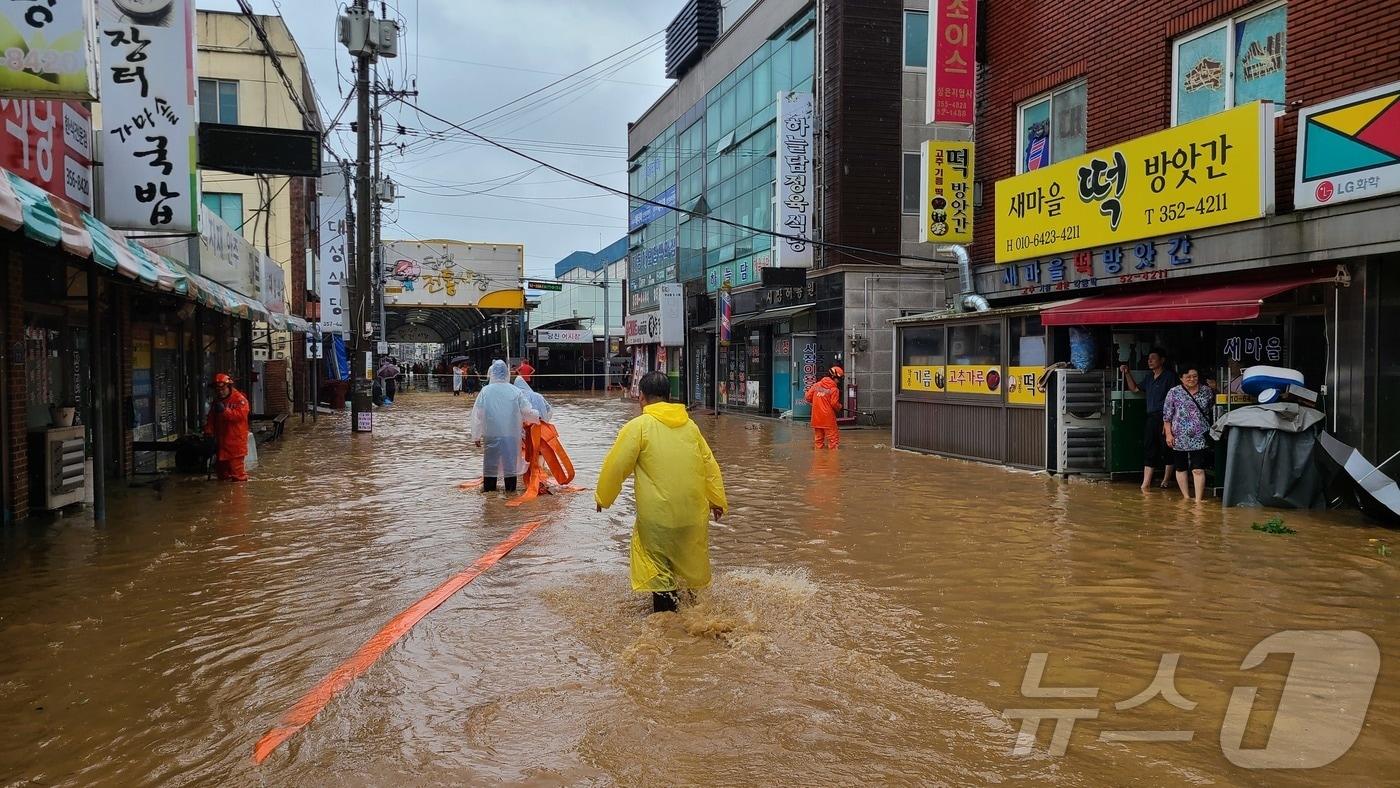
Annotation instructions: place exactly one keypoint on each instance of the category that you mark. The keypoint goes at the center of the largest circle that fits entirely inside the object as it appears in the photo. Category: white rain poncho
(533, 397)
(499, 415)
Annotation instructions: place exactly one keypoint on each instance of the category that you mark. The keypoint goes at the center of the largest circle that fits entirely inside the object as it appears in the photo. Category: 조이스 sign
(1213, 171)
(48, 49)
(1349, 149)
(947, 193)
(794, 180)
(148, 116)
(952, 62)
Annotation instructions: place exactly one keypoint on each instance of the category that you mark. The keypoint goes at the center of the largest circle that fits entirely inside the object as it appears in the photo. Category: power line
(847, 248)
(281, 71)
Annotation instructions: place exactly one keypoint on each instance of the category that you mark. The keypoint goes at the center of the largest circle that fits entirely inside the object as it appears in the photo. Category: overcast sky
(471, 57)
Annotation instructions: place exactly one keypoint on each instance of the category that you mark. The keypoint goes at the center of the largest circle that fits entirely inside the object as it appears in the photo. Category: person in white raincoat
(499, 415)
(456, 379)
(535, 399)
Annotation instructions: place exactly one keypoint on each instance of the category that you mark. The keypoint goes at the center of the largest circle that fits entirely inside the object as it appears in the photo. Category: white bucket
(62, 417)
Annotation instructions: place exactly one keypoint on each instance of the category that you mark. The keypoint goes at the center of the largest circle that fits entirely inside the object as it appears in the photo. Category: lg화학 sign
(1217, 170)
(1349, 149)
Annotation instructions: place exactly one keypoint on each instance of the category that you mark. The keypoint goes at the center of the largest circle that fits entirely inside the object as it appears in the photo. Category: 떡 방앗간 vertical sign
(947, 193)
(146, 51)
(333, 261)
(952, 62)
(47, 49)
(795, 206)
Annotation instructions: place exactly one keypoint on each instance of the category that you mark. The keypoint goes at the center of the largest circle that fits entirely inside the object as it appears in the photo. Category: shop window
(915, 39)
(924, 347)
(1052, 127)
(1026, 337)
(218, 101)
(1232, 62)
(912, 174)
(976, 344)
(225, 205)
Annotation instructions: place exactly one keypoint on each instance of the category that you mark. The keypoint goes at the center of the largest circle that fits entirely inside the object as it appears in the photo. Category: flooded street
(871, 619)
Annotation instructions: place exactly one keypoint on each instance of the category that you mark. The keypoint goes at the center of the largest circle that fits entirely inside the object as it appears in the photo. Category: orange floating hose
(314, 701)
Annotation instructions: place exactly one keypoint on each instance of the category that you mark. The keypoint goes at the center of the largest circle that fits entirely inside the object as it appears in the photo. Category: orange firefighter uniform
(825, 396)
(228, 425)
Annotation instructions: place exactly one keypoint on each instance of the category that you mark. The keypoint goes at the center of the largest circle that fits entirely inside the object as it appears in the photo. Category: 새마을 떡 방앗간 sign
(1213, 171)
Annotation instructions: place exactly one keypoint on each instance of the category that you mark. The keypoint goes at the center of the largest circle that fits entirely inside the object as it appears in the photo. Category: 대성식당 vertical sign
(148, 116)
(1349, 149)
(1213, 171)
(795, 205)
(48, 49)
(333, 269)
(952, 62)
(947, 193)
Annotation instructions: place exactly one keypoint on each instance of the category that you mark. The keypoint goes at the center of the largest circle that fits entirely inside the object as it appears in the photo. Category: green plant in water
(1383, 551)
(1273, 526)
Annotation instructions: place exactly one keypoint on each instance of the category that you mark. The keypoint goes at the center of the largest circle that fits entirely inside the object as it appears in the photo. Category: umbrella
(459, 359)
(1376, 494)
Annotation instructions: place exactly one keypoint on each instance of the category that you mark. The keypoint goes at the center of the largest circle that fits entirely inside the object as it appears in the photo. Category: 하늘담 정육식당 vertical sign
(795, 193)
(1213, 171)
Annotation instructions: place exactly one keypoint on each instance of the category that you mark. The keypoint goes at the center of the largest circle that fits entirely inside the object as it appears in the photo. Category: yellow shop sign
(922, 378)
(1213, 171)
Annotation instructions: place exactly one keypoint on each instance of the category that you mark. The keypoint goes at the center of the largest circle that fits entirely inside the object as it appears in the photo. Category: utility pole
(361, 365)
(378, 226)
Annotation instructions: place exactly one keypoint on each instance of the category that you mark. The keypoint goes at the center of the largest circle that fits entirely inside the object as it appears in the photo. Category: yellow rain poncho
(677, 483)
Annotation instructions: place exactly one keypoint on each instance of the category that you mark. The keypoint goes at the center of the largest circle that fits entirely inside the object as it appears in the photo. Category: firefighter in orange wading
(825, 396)
(228, 425)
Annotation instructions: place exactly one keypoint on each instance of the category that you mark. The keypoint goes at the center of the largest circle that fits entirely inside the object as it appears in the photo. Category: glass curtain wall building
(718, 159)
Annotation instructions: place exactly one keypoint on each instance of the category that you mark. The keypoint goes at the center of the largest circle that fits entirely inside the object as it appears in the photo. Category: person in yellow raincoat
(678, 488)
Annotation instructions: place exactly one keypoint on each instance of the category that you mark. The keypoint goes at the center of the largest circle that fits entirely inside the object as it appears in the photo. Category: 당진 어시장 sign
(947, 193)
(1213, 171)
(148, 115)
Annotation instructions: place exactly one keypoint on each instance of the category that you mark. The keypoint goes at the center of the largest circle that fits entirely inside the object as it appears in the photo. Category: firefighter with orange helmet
(825, 396)
(227, 424)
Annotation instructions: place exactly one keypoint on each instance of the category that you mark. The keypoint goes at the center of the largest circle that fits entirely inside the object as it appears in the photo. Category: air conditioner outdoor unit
(61, 476)
(1079, 424)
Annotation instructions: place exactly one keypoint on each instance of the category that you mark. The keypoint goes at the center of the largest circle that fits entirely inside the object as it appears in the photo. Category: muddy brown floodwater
(871, 619)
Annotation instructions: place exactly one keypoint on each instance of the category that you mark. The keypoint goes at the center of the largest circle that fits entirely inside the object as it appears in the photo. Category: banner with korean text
(1213, 171)
(952, 62)
(795, 186)
(947, 193)
(148, 117)
(333, 259)
(47, 49)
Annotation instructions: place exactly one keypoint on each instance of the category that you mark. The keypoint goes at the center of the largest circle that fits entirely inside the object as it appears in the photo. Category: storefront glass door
(782, 373)
(803, 363)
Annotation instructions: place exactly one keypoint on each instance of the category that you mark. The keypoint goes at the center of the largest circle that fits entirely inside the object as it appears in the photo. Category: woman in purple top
(1186, 420)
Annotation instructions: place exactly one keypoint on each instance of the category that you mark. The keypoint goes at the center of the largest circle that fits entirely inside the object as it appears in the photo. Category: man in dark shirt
(1155, 384)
